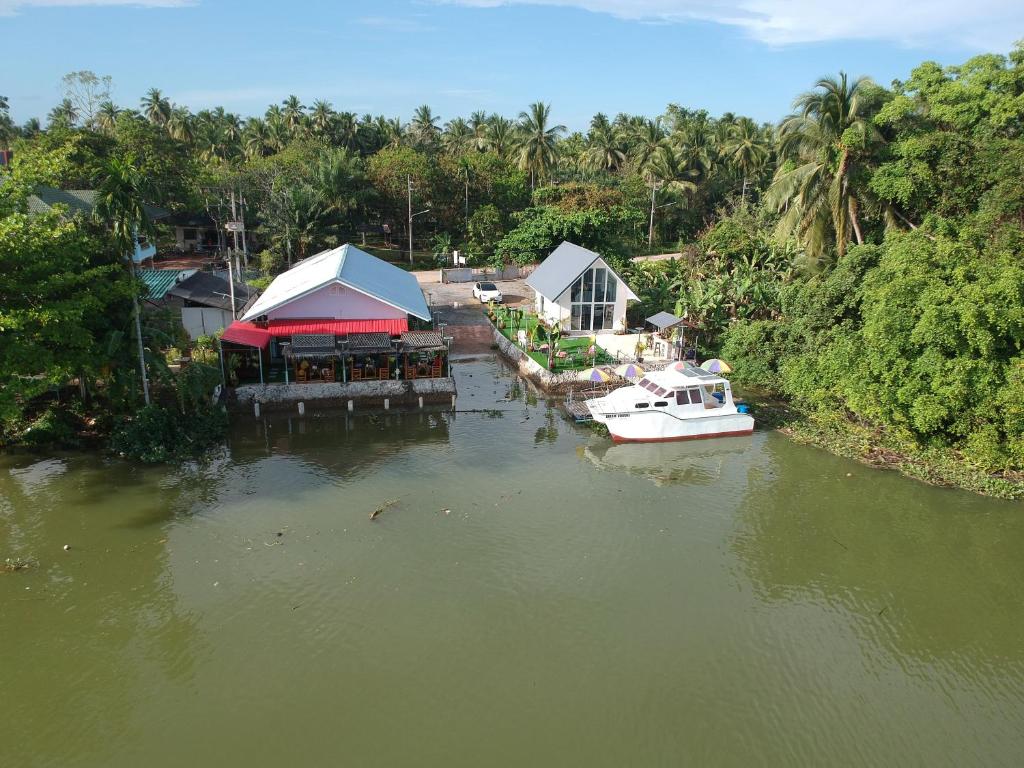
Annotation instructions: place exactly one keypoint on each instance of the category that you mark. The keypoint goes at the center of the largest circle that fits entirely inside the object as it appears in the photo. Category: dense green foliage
(862, 257)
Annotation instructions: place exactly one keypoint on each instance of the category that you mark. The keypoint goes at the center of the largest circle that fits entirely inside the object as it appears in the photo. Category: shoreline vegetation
(881, 449)
(861, 257)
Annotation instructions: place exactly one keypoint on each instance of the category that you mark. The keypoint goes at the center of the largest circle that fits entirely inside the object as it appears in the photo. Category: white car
(487, 292)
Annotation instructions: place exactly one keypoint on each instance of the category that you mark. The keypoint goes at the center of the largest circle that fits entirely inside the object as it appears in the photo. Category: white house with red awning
(323, 303)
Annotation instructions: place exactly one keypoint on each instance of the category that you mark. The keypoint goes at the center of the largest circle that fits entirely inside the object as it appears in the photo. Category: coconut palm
(179, 125)
(479, 127)
(538, 143)
(824, 139)
(423, 127)
(604, 146)
(65, 114)
(457, 136)
(500, 135)
(321, 117)
(647, 139)
(663, 171)
(293, 113)
(746, 149)
(345, 130)
(106, 117)
(155, 107)
(255, 138)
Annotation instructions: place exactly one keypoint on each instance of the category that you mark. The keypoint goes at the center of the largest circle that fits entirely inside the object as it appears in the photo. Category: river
(528, 595)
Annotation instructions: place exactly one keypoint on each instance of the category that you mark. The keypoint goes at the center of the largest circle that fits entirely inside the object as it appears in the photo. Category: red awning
(252, 335)
(280, 328)
(248, 334)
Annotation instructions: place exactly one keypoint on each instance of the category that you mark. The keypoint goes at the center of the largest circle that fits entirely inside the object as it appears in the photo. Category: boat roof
(683, 373)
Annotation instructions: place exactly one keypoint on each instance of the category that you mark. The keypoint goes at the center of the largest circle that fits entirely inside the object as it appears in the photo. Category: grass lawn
(575, 346)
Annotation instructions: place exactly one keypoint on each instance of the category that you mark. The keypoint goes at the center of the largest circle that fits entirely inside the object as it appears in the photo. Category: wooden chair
(301, 375)
(436, 368)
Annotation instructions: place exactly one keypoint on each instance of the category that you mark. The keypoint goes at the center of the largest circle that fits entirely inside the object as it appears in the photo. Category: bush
(158, 434)
(271, 263)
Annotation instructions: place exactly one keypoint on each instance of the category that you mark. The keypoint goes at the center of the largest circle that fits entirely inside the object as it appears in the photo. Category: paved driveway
(448, 294)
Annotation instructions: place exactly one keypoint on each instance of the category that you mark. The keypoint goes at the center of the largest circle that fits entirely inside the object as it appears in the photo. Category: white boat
(683, 402)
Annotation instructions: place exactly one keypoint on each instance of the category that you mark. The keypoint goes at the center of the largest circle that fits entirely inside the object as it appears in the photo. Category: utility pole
(409, 182)
(230, 282)
(467, 201)
(241, 211)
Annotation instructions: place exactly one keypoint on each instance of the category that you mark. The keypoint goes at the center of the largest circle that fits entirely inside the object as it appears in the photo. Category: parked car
(487, 292)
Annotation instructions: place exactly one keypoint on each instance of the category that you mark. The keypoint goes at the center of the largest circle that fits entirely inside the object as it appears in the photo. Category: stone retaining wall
(370, 394)
(530, 368)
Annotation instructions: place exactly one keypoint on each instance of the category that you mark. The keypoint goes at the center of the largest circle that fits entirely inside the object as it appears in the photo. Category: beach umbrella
(593, 374)
(714, 365)
(629, 371)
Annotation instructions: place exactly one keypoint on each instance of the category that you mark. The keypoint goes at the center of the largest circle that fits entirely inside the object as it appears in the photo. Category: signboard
(234, 226)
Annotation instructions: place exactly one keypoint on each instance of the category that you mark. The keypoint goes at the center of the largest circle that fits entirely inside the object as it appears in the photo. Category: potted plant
(638, 350)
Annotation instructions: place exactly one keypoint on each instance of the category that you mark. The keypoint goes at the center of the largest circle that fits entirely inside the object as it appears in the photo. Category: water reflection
(693, 462)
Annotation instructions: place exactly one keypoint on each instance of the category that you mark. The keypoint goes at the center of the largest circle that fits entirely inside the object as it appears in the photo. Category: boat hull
(660, 427)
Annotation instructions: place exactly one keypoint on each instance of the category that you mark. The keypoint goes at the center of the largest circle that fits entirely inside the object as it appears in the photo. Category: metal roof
(422, 340)
(212, 291)
(369, 342)
(561, 268)
(81, 201)
(664, 320)
(348, 266)
(159, 282)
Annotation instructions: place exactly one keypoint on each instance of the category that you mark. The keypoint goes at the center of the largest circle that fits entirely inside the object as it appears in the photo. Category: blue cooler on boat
(742, 408)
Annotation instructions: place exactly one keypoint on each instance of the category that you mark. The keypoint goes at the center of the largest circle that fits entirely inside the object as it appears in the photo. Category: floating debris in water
(382, 507)
(12, 564)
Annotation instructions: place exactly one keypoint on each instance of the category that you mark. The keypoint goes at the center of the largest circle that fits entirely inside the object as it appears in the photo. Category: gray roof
(664, 320)
(78, 201)
(212, 291)
(561, 268)
(349, 266)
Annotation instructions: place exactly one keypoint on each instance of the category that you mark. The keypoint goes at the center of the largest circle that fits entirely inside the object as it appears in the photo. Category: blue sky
(388, 56)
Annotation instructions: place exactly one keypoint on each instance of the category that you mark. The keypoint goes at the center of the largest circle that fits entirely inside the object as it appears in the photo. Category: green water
(533, 596)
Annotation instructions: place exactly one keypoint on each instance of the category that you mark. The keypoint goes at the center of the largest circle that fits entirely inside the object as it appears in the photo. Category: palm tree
(346, 130)
(663, 171)
(604, 150)
(479, 126)
(106, 117)
(321, 117)
(65, 114)
(255, 138)
(423, 127)
(538, 144)
(292, 113)
(822, 139)
(745, 148)
(179, 125)
(648, 138)
(457, 136)
(119, 205)
(500, 135)
(156, 107)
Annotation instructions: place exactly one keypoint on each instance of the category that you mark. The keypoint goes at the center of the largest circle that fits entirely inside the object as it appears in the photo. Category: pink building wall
(336, 302)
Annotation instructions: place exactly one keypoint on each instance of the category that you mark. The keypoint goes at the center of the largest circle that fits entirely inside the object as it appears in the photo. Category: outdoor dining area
(319, 358)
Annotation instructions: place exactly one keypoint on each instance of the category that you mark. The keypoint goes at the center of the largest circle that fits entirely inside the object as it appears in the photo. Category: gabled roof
(212, 291)
(158, 281)
(78, 201)
(349, 266)
(664, 320)
(560, 270)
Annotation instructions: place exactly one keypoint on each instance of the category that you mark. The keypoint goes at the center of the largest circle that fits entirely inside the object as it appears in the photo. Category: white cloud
(10, 7)
(981, 24)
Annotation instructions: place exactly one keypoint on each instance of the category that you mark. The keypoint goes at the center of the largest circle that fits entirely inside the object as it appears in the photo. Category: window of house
(188, 234)
(592, 299)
